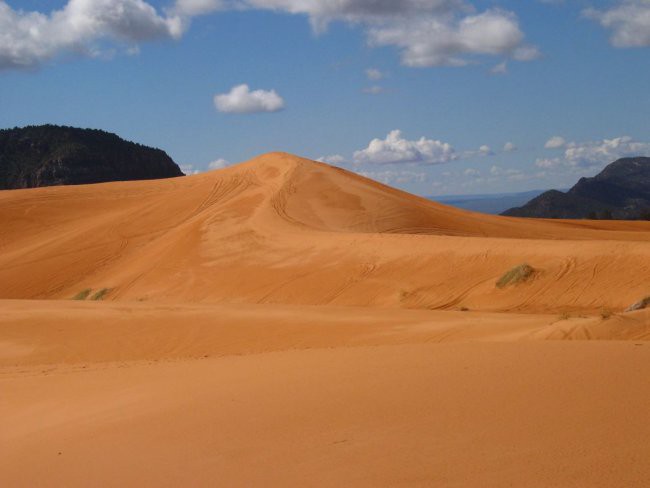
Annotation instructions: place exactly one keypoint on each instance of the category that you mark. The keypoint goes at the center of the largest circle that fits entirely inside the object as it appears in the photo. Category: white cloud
(555, 142)
(374, 74)
(193, 8)
(395, 149)
(241, 100)
(219, 164)
(27, 39)
(500, 69)
(629, 22)
(322, 12)
(189, 169)
(482, 151)
(427, 32)
(392, 177)
(452, 39)
(332, 159)
(509, 147)
(485, 150)
(373, 90)
(526, 53)
(597, 153)
(509, 174)
(471, 172)
(590, 154)
(548, 163)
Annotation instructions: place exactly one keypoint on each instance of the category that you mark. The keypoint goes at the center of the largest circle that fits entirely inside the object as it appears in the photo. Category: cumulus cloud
(555, 142)
(241, 100)
(189, 169)
(396, 149)
(374, 74)
(427, 32)
(590, 154)
(191, 8)
(485, 150)
(482, 151)
(628, 21)
(332, 159)
(373, 90)
(509, 147)
(597, 153)
(323, 12)
(452, 39)
(27, 39)
(218, 164)
(510, 174)
(392, 177)
(500, 69)
(548, 163)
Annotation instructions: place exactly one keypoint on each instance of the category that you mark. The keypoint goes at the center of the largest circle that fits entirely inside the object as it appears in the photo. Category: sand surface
(286, 323)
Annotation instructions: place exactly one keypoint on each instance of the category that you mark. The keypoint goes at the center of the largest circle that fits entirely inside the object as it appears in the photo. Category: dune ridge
(281, 229)
(286, 323)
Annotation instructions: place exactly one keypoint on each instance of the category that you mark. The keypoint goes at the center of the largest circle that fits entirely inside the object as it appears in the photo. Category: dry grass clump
(100, 294)
(518, 274)
(640, 305)
(83, 294)
(606, 313)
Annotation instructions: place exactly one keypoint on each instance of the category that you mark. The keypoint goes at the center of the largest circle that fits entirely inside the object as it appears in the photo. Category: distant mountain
(49, 155)
(489, 203)
(621, 191)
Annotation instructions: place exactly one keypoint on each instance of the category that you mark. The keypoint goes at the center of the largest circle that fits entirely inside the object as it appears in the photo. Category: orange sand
(286, 323)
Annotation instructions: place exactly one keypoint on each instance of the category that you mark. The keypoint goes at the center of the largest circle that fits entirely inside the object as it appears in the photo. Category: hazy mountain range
(621, 191)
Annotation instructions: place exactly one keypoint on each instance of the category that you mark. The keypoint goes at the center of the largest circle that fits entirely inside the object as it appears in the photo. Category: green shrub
(83, 294)
(518, 274)
(100, 294)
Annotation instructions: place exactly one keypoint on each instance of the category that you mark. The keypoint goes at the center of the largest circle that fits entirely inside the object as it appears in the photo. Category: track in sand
(286, 323)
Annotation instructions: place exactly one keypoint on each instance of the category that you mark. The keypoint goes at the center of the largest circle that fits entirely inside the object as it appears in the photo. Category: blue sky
(451, 82)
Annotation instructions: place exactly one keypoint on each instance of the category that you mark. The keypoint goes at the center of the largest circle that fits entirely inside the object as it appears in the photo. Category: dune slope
(286, 323)
(281, 229)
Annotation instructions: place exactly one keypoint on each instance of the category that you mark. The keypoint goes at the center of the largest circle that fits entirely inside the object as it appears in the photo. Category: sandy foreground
(285, 323)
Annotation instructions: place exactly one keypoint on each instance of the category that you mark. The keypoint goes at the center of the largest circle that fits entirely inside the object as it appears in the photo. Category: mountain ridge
(621, 191)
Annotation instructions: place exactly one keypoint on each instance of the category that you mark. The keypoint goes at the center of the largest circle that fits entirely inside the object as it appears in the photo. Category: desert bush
(100, 294)
(518, 274)
(605, 313)
(640, 305)
(82, 295)
(564, 316)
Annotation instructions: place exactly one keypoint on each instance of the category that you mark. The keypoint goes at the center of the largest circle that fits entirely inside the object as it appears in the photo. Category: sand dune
(280, 229)
(286, 323)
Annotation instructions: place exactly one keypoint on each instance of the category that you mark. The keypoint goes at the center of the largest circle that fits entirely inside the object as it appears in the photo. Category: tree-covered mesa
(49, 155)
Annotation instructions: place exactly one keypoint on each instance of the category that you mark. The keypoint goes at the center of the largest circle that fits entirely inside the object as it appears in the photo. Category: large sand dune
(286, 323)
(280, 229)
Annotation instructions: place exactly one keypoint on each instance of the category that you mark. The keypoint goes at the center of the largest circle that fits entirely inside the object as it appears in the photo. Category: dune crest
(286, 323)
(282, 229)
